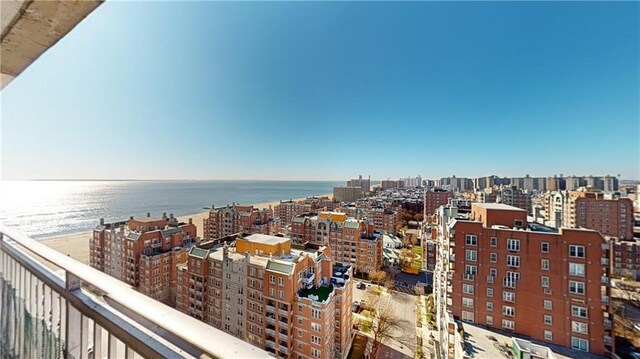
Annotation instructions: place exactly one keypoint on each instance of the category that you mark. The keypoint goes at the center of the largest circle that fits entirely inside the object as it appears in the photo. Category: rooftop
(498, 206)
(266, 239)
(318, 294)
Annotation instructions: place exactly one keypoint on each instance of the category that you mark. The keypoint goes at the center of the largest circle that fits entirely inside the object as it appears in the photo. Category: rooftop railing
(52, 306)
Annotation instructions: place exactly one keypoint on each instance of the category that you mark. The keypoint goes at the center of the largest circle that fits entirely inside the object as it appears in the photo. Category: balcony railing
(77, 311)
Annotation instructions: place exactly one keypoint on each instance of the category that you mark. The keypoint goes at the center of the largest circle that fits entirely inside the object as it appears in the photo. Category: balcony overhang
(31, 27)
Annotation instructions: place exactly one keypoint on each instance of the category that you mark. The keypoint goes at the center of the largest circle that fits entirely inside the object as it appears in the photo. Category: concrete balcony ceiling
(31, 27)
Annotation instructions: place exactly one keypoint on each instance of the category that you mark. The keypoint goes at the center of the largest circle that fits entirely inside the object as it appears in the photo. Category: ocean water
(49, 208)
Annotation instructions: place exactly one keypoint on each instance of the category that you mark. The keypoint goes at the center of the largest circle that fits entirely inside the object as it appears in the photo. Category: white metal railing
(80, 312)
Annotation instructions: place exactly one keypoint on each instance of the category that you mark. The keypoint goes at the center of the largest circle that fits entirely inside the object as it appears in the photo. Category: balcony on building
(317, 294)
(57, 305)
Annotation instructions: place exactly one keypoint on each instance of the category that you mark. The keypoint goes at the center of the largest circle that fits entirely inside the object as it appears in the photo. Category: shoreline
(76, 245)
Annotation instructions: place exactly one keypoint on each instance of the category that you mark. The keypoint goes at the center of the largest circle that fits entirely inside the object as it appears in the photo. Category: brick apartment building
(435, 198)
(586, 208)
(384, 219)
(626, 257)
(516, 197)
(225, 221)
(292, 301)
(612, 217)
(496, 270)
(286, 210)
(353, 242)
(143, 252)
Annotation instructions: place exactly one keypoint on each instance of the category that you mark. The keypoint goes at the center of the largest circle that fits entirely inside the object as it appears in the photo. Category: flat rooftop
(266, 239)
(498, 206)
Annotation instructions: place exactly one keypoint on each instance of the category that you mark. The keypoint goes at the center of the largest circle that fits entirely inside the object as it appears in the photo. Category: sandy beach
(76, 245)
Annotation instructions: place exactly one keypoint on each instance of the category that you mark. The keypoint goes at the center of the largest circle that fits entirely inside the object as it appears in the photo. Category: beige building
(347, 194)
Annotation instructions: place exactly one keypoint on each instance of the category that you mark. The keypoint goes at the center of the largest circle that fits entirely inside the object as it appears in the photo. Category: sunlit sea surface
(49, 208)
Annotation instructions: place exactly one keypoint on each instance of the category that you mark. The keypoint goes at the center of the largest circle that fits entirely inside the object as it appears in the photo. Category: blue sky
(329, 90)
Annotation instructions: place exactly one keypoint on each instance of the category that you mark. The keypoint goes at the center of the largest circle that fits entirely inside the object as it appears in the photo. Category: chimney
(148, 214)
(164, 215)
(101, 221)
(131, 218)
(170, 215)
(190, 220)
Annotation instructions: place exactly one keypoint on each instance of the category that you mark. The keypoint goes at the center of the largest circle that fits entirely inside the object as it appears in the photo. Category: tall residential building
(412, 181)
(388, 184)
(225, 221)
(363, 183)
(286, 210)
(143, 252)
(456, 184)
(625, 257)
(347, 194)
(612, 217)
(434, 198)
(291, 301)
(516, 197)
(495, 270)
(353, 242)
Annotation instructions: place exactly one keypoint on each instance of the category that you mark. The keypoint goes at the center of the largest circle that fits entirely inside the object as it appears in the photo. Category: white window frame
(577, 311)
(513, 245)
(471, 240)
(579, 344)
(573, 269)
(573, 284)
(577, 251)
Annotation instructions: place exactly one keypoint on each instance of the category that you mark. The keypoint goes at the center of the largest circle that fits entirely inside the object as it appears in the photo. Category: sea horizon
(43, 209)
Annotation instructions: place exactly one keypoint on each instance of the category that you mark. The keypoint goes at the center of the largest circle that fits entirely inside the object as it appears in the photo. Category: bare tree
(385, 322)
(378, 277)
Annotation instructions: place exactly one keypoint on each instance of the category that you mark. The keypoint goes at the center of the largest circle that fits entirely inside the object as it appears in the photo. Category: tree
(378, 277)
(385, 322)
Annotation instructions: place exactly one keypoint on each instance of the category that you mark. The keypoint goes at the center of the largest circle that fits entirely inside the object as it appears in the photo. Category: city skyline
(297, 91)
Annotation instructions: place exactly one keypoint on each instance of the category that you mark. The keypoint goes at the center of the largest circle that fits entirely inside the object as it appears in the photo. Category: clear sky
(329, 90)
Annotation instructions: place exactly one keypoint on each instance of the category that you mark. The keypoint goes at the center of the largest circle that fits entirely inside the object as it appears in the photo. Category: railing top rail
(211, 341)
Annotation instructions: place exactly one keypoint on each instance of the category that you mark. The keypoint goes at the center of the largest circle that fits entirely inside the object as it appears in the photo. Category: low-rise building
(225, 221)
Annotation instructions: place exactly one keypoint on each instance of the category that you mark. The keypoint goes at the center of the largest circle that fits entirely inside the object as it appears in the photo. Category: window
(576, 269)
(509, 296)
(544, 281)
(578, 327)
(513, 261)
(489, 306)
(315, 313)
(576, 287)
(316, 353)
(281, 282)
(577, 311)
(315, 340)
(467, 302)
(471, 255)
(508, 324)
(493, 257)
(548, 304)
(579, 344)
(493, 272)
(544, 247)
(548, 335)
(548, 320)
(316, 327)
(494, 242)
(544, 264)
(272, 279)
(576, 251)
(467, 316)
(469, 269)
(472, 240)
(508, 311)
(467, 288)
(489, 320)
(513, 244)
(489, 292)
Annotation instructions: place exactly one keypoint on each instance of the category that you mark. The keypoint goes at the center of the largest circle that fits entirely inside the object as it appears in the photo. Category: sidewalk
(428, 336)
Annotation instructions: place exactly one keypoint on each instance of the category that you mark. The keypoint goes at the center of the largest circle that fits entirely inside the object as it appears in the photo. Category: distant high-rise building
(363, 183)
(347, 194)
(435, 198)
(516, 197)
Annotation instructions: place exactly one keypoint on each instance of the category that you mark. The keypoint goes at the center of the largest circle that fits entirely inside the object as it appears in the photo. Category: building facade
(289, 300)
(353, 242)
(225, 221)
(143, 253)
(496, 271)
(435, 198)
